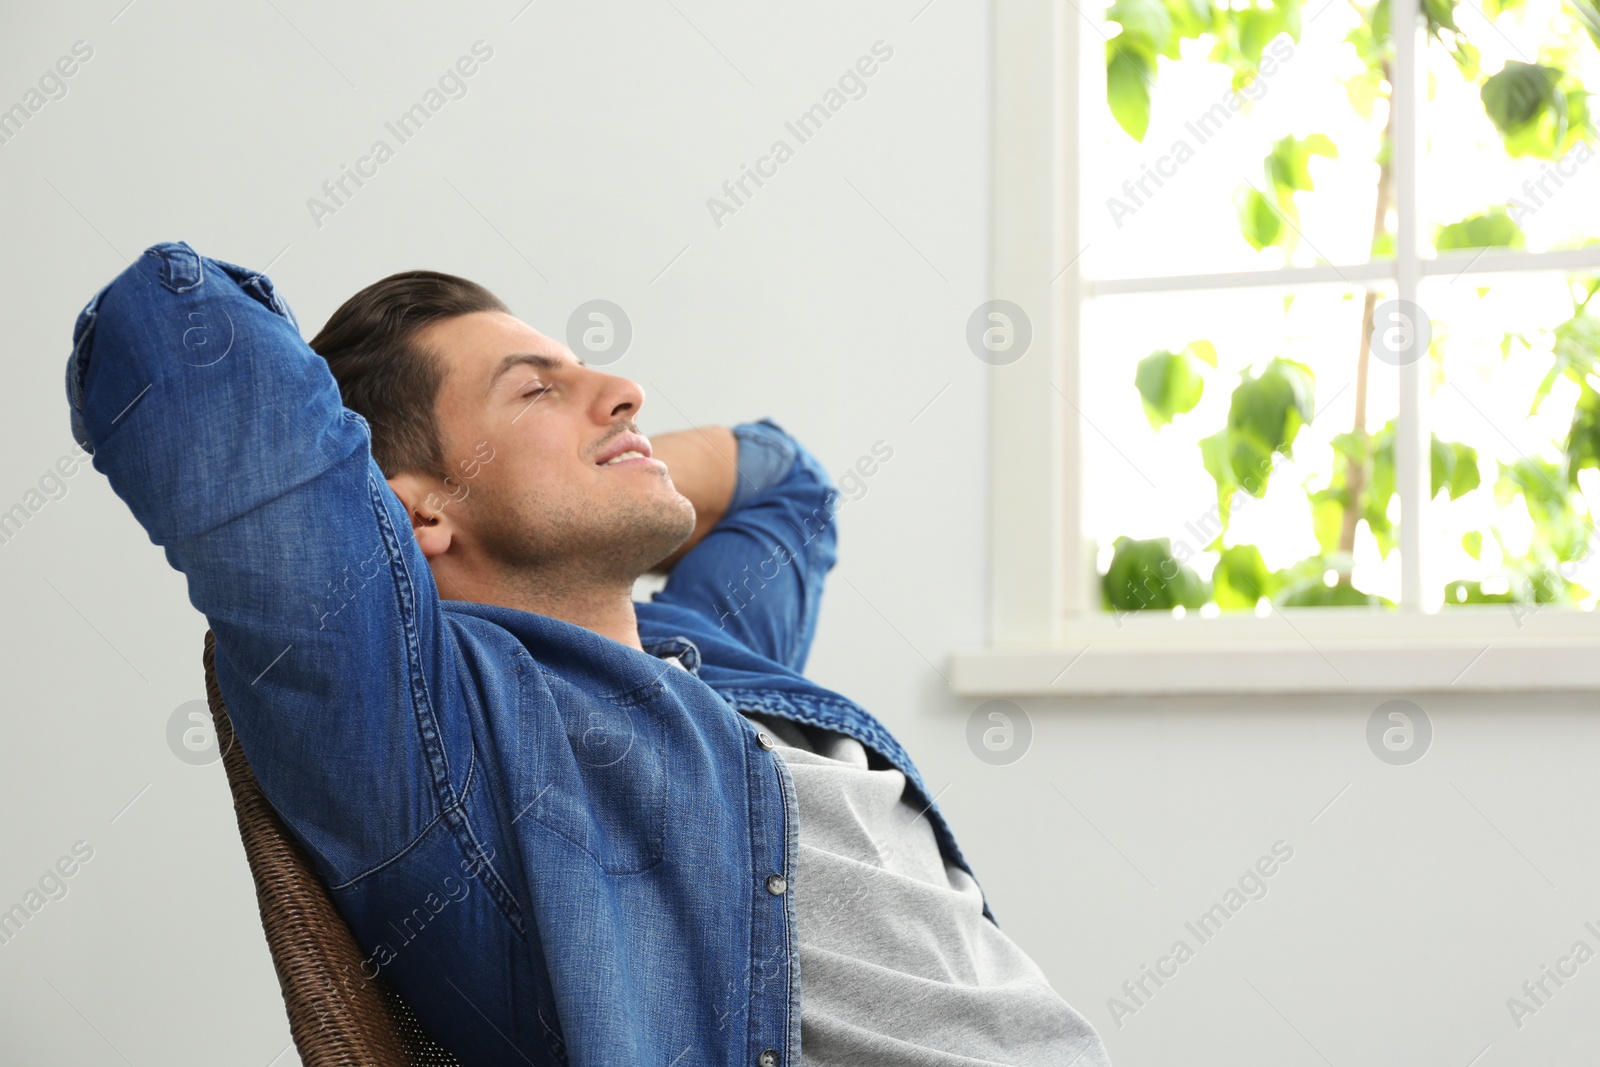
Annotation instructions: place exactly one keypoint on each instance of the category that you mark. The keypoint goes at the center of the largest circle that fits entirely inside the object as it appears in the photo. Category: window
(1196, 300)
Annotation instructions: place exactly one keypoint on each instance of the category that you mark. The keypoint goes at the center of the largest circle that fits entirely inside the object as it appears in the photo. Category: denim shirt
(558, 848)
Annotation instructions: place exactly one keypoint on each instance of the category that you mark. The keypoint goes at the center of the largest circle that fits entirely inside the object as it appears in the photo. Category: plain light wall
(578, 166)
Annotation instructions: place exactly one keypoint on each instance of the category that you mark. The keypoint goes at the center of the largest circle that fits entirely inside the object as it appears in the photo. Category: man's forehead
(481, 347)
(486, 334)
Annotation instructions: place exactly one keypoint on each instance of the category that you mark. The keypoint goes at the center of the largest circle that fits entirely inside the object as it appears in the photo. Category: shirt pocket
(596, 768)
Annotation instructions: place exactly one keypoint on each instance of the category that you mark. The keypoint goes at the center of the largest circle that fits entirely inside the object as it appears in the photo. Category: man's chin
(675, 532)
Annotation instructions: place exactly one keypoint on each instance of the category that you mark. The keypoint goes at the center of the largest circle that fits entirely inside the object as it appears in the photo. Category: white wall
(834, 301)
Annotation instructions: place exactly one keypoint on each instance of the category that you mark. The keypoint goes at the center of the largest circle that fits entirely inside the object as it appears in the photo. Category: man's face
(523, 423)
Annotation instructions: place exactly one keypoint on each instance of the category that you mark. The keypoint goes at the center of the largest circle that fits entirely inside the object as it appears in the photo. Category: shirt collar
(687, 651)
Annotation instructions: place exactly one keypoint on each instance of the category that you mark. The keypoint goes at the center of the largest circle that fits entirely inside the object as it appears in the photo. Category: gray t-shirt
(898, 966)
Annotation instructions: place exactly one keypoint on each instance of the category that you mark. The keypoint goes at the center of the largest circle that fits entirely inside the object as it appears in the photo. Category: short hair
(384, 375)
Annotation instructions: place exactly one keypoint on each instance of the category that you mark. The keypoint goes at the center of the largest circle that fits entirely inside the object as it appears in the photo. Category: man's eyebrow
(531, 359)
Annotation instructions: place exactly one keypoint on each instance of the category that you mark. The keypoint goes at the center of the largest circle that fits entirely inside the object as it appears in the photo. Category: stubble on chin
(618, 538)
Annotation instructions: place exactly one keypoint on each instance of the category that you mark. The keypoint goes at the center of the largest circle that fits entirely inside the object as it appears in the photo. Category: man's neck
(605, 608)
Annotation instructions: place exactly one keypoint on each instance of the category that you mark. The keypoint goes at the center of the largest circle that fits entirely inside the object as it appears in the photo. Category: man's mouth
(632, 458)
(628, 450)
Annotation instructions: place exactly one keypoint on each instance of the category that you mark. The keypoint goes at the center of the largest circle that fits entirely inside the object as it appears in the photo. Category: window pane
(1537, 185)
(1517, 418)
(1170, 203)
(1280, 374)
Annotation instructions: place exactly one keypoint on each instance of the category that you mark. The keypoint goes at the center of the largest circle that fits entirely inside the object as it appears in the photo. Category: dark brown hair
(384, 375)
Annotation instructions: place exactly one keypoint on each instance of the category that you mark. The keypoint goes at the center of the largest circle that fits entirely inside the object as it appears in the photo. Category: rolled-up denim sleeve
(226, 436)
(759, 572)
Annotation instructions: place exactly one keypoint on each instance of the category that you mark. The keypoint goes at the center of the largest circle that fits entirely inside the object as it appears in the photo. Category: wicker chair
(337, 1016)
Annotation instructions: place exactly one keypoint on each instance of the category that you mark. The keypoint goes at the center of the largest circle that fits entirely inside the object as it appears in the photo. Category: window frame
(1046, 632)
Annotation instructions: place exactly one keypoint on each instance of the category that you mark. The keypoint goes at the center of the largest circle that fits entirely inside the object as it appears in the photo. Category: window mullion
(1453, 265)
(1413, 471)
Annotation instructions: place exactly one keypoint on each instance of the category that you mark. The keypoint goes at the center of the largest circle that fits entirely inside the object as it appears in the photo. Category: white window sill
(1487, 648)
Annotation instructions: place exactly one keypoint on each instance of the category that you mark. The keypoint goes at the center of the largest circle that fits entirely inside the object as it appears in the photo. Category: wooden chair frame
(338, 1016)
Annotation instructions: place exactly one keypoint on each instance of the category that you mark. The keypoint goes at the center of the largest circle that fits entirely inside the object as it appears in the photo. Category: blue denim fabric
(555, 846)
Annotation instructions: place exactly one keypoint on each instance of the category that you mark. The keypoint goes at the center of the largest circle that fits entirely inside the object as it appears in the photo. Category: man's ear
(425, 505)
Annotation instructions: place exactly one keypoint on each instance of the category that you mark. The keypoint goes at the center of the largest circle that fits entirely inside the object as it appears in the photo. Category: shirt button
(765, 740)
(776, 885)
(769, 1057)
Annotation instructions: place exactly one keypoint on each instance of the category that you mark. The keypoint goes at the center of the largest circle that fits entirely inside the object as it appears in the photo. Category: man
(568, 827)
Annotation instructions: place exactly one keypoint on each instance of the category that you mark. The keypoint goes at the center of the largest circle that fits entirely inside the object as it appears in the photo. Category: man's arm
(704, 464)
(759, 572)
(226, 436)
